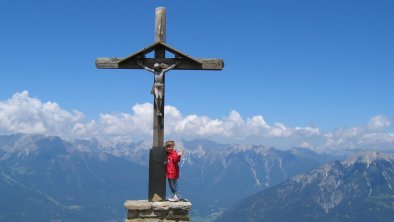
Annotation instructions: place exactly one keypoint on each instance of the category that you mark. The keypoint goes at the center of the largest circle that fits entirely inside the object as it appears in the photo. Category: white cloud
(370, 136)
(24, 114)
(379, 122)
(233, 127)
(305, 145)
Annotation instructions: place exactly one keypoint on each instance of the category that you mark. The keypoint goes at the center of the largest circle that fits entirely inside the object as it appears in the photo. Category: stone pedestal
(144, 211)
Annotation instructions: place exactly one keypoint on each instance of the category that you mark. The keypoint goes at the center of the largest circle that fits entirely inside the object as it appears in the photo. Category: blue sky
(320, 66)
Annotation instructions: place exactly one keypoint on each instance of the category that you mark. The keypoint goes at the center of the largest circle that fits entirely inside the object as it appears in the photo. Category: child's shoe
(175, 198)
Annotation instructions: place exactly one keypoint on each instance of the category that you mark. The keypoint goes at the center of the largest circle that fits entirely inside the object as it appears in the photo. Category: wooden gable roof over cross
(186, 62)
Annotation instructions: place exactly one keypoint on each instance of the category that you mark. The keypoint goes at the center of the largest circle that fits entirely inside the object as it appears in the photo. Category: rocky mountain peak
(368, 157)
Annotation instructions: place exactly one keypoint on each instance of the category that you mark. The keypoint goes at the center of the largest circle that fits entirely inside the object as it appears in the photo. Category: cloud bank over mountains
(24, 114)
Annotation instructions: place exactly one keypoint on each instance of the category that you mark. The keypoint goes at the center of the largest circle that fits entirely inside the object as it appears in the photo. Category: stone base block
(144, 211)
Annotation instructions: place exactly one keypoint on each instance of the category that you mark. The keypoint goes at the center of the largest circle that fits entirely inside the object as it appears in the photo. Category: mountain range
(215, 176)
(359, 188)
(49, 179)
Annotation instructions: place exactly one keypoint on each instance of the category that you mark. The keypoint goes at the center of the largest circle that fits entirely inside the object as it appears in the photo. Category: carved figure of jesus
(158, 85)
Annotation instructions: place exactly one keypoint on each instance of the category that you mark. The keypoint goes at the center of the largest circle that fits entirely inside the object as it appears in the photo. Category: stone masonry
(144, 211)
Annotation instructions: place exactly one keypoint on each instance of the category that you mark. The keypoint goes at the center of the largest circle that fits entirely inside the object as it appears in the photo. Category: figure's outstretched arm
(172, 66)
(145, 67)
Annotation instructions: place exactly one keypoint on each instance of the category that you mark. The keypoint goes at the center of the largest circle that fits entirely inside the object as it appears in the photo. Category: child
(172, 172)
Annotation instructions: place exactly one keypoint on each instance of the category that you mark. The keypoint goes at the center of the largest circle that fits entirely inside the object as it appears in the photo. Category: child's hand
(180, 153)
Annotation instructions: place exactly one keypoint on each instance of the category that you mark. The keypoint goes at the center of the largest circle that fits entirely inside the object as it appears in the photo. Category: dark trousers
(173, 183)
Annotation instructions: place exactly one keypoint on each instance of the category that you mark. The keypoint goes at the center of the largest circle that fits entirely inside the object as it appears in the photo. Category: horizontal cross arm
(203, 64)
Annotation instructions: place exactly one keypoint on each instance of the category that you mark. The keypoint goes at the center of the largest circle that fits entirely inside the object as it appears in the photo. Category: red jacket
(172, 165)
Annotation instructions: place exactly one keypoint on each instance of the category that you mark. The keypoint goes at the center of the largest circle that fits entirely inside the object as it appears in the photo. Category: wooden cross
(139, 60)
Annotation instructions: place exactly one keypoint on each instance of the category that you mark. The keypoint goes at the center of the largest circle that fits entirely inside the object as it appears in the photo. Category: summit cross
(159, 65)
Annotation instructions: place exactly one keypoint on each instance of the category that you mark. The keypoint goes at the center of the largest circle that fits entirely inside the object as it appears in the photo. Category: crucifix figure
(159, 65)
(158, 85)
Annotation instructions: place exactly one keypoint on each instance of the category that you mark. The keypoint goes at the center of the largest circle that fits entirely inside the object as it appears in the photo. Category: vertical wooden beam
(157, 155)
(160, 25)
(160, 35)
